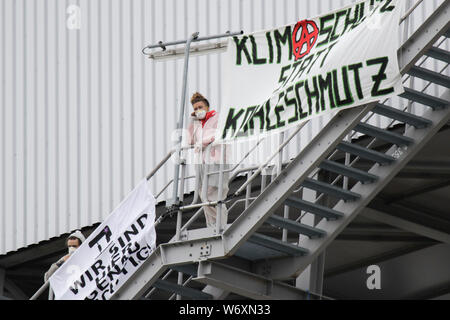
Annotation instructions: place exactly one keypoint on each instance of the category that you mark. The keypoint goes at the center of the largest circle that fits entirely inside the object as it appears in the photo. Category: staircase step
(357, 174)
(402, 116)
(300, 228)
(385, 135)
(314, 208)
(330, 189)
(278, 245)
(423, 98)
(438, 53)
(181, 290)
(429, 75)
(365, 153)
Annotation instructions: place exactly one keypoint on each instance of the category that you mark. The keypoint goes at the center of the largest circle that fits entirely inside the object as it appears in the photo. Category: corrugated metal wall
(84, 116)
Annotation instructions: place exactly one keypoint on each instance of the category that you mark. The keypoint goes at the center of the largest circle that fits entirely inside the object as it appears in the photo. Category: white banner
(112, 253)
(277, 79)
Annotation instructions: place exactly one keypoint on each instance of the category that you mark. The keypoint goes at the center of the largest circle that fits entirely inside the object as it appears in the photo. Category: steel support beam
(216, 293)
(15, 291)
(403, 224)
(416, 213)
(168, 255)
(431, 293)
(419, 190)
(439, 54)
(311, 279)
(375, 259)
(190, 269)
(2, 281)
(245, 283)
(181, 290)
(426, 170)
(383, 238)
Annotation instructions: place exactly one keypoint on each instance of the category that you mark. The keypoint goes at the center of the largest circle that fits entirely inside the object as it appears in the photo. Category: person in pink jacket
(201, 132)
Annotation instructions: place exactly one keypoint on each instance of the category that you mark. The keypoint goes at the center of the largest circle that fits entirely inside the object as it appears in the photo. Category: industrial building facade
(85, 116)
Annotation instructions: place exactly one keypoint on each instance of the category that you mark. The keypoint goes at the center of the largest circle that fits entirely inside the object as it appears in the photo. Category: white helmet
(77, 234)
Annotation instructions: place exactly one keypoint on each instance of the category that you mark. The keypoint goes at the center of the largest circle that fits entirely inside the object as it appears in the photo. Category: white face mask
(200, 114)
(72, 250)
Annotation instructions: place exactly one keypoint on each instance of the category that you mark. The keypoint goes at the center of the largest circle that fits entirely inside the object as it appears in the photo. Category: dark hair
(197, 97)
(73, 238)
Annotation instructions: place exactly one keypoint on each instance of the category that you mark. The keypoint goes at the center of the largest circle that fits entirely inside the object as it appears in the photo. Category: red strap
(208, 115)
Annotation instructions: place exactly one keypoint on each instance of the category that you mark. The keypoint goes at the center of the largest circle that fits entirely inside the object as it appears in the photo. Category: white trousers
(212, 194)
(211, 211)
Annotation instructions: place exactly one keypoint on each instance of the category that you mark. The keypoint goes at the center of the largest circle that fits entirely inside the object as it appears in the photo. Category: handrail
(41, 290)
(165, 159)
(160, 164)
(163, 45)
(410, 11)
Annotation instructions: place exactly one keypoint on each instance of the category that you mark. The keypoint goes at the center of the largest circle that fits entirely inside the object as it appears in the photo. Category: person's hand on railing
(67, 256)
(208, 141)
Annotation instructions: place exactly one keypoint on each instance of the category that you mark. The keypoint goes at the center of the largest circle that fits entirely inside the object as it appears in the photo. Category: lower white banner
(112, 253)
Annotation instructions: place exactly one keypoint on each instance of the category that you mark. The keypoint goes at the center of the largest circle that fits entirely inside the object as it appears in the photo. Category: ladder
(206, 256)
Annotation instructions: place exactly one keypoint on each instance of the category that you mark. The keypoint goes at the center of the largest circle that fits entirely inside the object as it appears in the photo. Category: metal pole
(154, 289)
(347, 162)
(205, 179)
(51, 295)
(184, 285)
(181, 116)
(280, 154)
(180, 216)
(407, 14)
(407, 19)
(2, 281)
(248, 191)
(192, 219)
(284, 235)
(181, 197)
(197, 177)
(263, 181)
(160, 164)
(219, 192)
(198, 205)
(180, 282)
(163, 45)
(41, 290)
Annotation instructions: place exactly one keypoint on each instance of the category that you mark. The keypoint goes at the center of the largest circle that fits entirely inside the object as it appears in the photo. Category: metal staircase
(263, 263)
